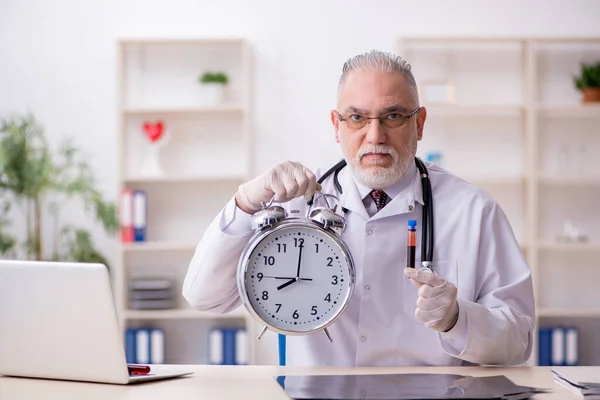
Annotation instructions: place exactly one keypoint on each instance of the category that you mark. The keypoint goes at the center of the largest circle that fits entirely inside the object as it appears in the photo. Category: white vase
(213, 94)
(151, 167)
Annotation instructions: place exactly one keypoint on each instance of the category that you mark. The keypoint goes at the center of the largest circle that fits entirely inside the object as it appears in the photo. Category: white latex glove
(285, 181)
(436, 305)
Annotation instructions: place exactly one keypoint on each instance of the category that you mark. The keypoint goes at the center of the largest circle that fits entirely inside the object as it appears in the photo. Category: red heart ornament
(154, 131)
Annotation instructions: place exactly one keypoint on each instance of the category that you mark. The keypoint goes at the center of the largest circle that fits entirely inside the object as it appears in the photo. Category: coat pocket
(447, 269)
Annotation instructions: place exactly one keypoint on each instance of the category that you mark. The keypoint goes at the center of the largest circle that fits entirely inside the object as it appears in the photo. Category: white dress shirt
(475, 249)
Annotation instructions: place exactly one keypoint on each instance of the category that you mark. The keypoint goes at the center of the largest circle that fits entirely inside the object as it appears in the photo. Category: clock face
(298, 279)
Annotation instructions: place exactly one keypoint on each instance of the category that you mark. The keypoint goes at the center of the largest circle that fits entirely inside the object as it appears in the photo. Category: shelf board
(494, 180)
(468, 110)
(158, 246)
(226, 108)
(568, 312)
(570, 180)
(569, 110)
(588, 246)
(185, 179)
(207, 41)
(182, 314)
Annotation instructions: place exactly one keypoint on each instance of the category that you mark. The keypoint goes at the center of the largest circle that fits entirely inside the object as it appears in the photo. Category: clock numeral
(281, 246)
(295, 314)
(265, 295)
(269, 260)
(329, 261)
(278, 307)
(259, 276)
(328, 297)
(313, 310)
(335, 280)
(316, 247)
(298, 242)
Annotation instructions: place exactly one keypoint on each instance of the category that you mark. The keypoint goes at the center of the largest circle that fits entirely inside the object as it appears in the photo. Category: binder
(215, 346)
(241, 347)
(126, 216)
(571, 346)
(558, 346)
(139, 215)
(142, 346)
(229, 346)
(545, 346)
(130, 346)
(157, 346)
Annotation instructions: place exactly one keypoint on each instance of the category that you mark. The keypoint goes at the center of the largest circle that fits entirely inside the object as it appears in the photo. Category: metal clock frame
(275, 225)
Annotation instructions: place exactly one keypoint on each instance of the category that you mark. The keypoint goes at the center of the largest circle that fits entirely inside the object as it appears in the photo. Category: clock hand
(299, 260)
(286, 277)
(288, 283)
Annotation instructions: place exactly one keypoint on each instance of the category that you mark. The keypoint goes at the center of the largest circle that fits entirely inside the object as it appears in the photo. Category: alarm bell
(328, 219)
(268, 217)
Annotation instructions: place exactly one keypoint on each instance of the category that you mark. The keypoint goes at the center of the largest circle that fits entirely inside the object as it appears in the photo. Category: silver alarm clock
(296, 275)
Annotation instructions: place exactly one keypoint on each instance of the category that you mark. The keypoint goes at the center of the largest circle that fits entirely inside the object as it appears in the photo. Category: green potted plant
(588, 82)
(213, 86)
(40, 180)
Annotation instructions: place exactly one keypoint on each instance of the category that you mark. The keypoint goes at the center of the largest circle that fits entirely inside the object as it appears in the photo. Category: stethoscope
(427, 218)
(426, 235)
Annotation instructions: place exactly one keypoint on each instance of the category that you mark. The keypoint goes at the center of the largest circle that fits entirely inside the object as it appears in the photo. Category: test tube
(411, 243)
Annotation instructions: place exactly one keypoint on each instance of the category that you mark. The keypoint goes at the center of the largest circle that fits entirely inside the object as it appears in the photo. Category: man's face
(379, 155)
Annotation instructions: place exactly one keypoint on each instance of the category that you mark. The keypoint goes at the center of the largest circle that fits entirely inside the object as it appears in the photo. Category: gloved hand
(437, 307)
(286, 181)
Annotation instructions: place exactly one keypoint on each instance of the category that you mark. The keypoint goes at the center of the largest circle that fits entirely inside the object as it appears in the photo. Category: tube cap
(412, 223)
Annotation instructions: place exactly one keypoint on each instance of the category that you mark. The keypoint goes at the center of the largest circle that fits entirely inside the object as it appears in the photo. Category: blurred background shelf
(205, 153)
(572, 180)
(505, 115)
(575, 247)
(474, 110)
(569, 110)
(569, 312)
(158, 246)
(182, 314)
(208, 178)
(217, 109)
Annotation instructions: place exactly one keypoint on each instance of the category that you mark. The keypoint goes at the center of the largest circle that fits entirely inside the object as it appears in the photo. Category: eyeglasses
(392, 120)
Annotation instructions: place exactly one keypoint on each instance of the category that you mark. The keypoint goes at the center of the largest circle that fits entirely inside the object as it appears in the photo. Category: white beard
(380, 177)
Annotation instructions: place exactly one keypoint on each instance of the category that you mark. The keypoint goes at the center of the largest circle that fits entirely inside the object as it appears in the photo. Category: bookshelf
(516, 126)
(207, 154)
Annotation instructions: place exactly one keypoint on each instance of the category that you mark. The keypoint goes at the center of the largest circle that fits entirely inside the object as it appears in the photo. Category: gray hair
(380, 61)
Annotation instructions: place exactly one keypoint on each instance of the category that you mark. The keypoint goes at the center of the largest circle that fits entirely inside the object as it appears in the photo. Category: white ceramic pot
(213, 94)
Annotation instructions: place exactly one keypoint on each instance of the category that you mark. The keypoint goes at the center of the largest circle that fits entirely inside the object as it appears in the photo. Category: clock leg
(262, 332)
(328, 336)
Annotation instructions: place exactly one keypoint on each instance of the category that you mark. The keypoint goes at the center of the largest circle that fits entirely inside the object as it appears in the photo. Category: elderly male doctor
(477, 308)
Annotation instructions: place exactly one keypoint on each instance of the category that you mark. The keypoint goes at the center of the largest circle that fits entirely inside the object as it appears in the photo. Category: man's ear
(421, 117)
(336, 125)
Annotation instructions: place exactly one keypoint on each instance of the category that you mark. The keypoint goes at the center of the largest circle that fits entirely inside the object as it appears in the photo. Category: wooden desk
(246, 382)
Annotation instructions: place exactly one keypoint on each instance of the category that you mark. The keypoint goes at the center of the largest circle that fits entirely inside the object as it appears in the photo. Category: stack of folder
(151, 293)
(584, 381)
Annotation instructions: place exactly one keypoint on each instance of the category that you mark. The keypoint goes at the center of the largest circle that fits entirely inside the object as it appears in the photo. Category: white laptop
(58, 321)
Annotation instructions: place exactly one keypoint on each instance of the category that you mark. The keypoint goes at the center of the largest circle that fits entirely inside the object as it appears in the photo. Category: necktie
(379, 197)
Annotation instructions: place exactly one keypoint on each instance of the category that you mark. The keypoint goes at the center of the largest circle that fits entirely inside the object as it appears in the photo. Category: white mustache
(377, 149)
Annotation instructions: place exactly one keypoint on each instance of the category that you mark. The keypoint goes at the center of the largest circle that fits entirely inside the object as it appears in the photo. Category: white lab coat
(475, 249)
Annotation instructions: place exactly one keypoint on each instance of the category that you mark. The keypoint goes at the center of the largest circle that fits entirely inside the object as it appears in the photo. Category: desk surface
(248, 382)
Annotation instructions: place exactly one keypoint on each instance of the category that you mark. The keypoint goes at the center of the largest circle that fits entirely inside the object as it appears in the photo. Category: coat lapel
(350, 198)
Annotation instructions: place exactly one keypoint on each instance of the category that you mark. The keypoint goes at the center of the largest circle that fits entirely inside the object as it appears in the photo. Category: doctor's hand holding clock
(296, 275)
